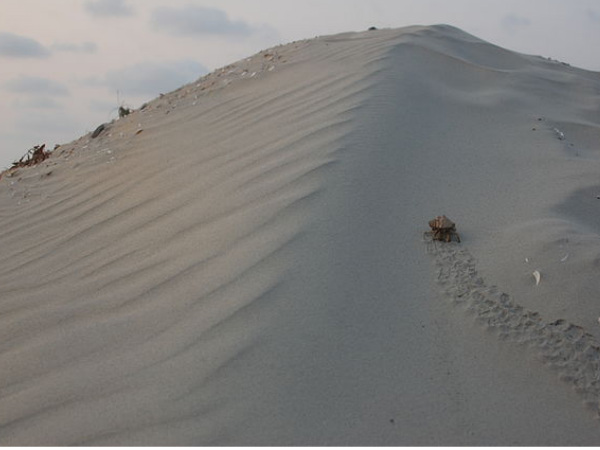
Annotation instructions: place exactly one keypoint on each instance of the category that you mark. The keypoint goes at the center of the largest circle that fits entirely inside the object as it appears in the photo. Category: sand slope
(249, 268)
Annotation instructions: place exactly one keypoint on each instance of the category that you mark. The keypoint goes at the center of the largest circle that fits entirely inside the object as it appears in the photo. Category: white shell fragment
(538, 277)
(560, 134)
(565, 258)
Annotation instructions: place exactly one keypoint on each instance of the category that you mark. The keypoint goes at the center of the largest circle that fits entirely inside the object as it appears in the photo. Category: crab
(443, 229)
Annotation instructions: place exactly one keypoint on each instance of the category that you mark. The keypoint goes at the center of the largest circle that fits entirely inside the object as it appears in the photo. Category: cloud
(103, 106)
(26, 84)
(514, 23)
(152, 78)
(108, 8)
(197, 20)
(593, 15)
(45, 126)
(15, 46)
(86, 47)
(37, 103)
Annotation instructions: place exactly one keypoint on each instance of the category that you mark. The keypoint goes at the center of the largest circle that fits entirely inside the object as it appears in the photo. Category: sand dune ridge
(241, 261)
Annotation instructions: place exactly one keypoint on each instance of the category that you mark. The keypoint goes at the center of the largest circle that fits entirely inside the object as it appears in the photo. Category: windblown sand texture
(242, 261)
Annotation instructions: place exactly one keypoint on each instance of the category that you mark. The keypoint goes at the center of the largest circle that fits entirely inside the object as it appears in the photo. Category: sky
(67, 65)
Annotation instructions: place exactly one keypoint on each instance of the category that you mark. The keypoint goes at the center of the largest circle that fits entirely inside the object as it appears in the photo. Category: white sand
(251, 268)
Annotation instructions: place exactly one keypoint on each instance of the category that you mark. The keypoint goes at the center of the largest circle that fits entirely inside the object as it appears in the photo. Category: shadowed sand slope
(242, 261)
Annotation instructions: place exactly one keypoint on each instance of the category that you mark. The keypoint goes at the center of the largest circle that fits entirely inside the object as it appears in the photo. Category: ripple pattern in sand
(133, 292)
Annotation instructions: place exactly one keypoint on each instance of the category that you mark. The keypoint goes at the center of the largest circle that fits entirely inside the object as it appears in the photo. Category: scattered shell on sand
(559, 134)
(538, 277)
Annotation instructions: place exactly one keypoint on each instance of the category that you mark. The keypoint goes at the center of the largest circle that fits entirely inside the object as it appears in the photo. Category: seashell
(538, 277)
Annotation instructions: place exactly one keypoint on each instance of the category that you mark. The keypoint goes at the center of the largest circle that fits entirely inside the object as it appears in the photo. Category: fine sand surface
(242, 262)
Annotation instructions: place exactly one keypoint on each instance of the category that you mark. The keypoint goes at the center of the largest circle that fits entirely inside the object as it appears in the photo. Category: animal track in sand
(566, 347)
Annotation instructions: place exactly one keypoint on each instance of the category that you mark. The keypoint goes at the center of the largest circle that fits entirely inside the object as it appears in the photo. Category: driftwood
(98, 130)
(33, 157)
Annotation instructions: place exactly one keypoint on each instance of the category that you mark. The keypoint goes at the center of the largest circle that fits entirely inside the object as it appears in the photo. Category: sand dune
(242, 261)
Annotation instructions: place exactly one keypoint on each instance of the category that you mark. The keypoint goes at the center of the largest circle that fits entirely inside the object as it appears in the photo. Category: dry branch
(33, 157)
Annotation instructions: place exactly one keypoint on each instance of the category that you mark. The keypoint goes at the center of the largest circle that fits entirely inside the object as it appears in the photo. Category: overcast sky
(63, 61)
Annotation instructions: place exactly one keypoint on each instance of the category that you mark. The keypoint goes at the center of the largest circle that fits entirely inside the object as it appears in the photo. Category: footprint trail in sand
(566, 347)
